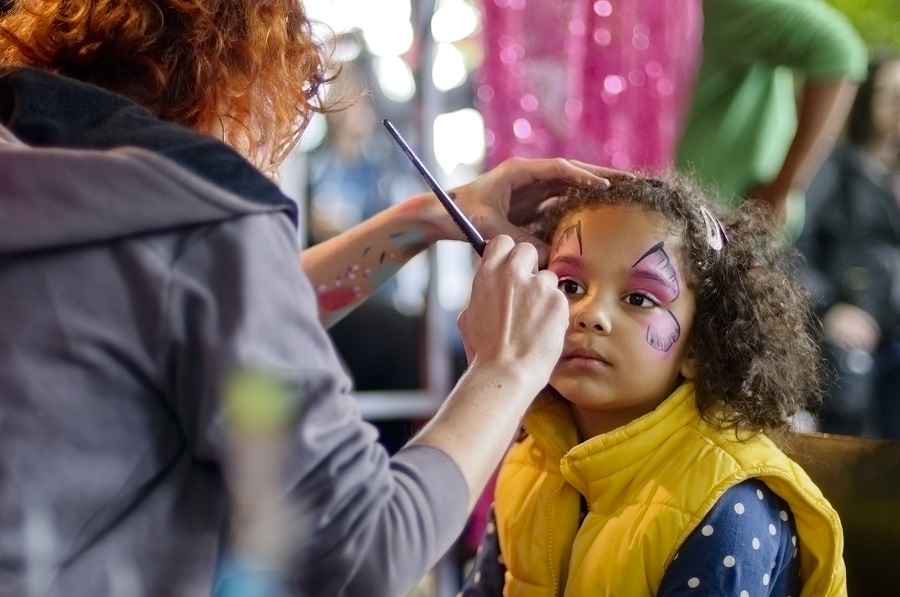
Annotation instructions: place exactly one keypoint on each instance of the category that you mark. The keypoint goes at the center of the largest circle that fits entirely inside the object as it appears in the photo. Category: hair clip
(715, 232)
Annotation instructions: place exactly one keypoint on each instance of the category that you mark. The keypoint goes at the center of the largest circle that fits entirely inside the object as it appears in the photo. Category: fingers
(541, 248)
(524, 253)
(554, 169)
(516, 316)
(600, 170)
(505, 228)
(496, 251)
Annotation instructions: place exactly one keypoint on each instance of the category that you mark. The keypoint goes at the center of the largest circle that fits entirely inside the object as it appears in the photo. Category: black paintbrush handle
(472, 235)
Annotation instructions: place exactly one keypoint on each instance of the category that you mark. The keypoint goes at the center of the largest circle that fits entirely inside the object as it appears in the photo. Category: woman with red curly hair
(145, 263)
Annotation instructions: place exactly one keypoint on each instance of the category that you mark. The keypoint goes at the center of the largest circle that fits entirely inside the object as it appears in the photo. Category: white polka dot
(794, 540)
(745, 594)
(766, 579)
(478, 551)
(739, 508)
(772, 529)
(795, 553)
(707, 530)
(755, 543)
(783, 515)
(676, 556)
(694, 583)
(490, 528)
(728, 561)
(759, 494)
(477, 577)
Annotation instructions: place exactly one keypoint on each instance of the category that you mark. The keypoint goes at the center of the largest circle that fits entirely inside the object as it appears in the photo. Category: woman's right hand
(516, 317)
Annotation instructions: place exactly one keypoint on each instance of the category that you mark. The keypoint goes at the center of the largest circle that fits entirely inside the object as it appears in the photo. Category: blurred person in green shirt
(775, 86)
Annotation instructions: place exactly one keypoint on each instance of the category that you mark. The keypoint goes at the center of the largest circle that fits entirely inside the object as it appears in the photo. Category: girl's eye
(639, 300)
(570, 287)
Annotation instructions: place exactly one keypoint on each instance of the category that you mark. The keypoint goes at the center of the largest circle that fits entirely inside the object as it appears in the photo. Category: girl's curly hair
(755, 336)
(249, 71)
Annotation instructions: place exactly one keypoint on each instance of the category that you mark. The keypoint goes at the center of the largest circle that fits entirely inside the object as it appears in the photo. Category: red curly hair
(248, 71)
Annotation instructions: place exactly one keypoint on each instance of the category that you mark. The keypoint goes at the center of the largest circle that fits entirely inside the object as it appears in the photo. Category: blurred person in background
(851, 241)
(746, 135)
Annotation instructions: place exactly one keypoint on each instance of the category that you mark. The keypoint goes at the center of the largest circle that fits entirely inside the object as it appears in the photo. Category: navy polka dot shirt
(745, 547)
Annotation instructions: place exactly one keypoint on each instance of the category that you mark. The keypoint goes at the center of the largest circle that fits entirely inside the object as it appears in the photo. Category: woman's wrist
(510, 377)
(428, 215)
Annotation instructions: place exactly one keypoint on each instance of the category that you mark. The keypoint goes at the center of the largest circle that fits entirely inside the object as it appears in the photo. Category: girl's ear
(689, 366)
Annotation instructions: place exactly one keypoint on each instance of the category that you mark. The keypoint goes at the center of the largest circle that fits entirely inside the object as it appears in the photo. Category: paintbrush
(472, 235)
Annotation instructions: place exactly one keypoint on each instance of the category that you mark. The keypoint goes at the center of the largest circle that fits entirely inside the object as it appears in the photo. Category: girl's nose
(593, 318)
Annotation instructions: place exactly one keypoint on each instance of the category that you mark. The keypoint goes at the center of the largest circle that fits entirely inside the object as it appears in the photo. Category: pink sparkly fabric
(603, 81)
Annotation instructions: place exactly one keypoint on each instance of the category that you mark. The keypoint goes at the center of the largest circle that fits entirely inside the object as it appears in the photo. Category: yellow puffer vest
(648, 485)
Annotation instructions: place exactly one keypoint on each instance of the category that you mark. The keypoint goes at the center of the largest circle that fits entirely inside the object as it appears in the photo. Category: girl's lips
(586, 357)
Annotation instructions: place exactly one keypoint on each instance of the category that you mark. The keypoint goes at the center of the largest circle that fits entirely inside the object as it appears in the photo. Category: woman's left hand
(514, 194)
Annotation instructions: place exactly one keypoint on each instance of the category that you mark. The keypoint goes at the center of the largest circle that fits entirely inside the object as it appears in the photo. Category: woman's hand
(516, 318)
(513, 331)
(850, 327)
(514, 194)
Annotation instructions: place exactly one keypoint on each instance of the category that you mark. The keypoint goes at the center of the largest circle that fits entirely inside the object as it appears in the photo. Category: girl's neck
(591, 423)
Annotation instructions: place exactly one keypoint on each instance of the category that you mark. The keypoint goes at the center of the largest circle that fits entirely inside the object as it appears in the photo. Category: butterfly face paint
(656, 273)
(629, 313)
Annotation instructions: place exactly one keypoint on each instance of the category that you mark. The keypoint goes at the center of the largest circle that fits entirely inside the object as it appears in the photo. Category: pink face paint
(565, 265)
(663, 331)
(655, 273)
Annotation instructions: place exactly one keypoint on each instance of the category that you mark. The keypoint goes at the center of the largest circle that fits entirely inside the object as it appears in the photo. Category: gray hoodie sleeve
(363, 523)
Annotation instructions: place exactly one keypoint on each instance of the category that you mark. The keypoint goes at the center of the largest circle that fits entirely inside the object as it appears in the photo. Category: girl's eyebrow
(661, 268)
(572, 260)
(654, 276)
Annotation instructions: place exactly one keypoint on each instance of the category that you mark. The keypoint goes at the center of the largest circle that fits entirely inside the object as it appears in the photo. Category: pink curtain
(603, 81)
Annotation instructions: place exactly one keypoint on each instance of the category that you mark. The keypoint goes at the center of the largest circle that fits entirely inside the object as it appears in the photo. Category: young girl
(646, 467)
